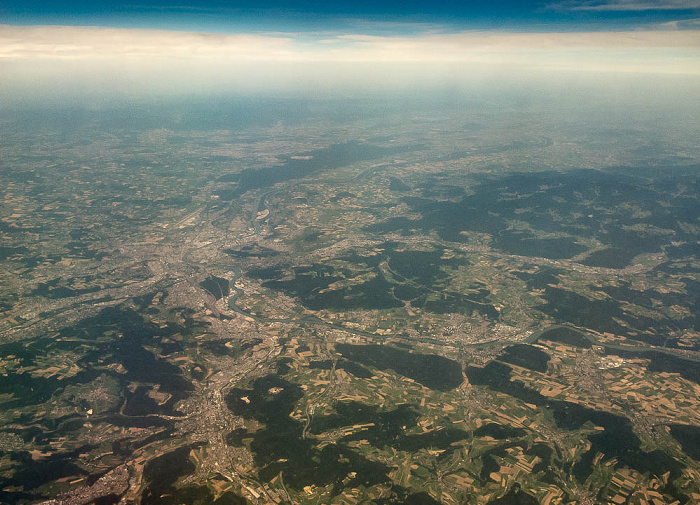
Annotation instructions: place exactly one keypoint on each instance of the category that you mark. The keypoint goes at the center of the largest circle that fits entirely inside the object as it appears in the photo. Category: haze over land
(363, 253)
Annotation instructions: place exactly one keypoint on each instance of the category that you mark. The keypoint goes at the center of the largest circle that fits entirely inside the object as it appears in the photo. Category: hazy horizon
(128, 51)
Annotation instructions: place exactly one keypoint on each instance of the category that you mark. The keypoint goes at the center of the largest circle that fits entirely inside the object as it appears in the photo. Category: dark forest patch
(217, 286)
(281, 447)
(689, 438)
(433, 371)
(329, 158)
(612, 257)
(526, 356)
(578, 204)
(567, 336)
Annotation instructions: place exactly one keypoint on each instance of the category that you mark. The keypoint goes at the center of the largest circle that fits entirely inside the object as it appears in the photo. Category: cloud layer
(626, 5)
(89, 43)
(93, 57)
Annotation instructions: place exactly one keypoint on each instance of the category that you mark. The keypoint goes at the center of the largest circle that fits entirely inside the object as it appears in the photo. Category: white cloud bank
(91, 43)
(87, 43)
(626, 5)
(90, 57)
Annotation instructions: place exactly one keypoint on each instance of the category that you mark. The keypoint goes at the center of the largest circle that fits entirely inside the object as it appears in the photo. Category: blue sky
(368, 16)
